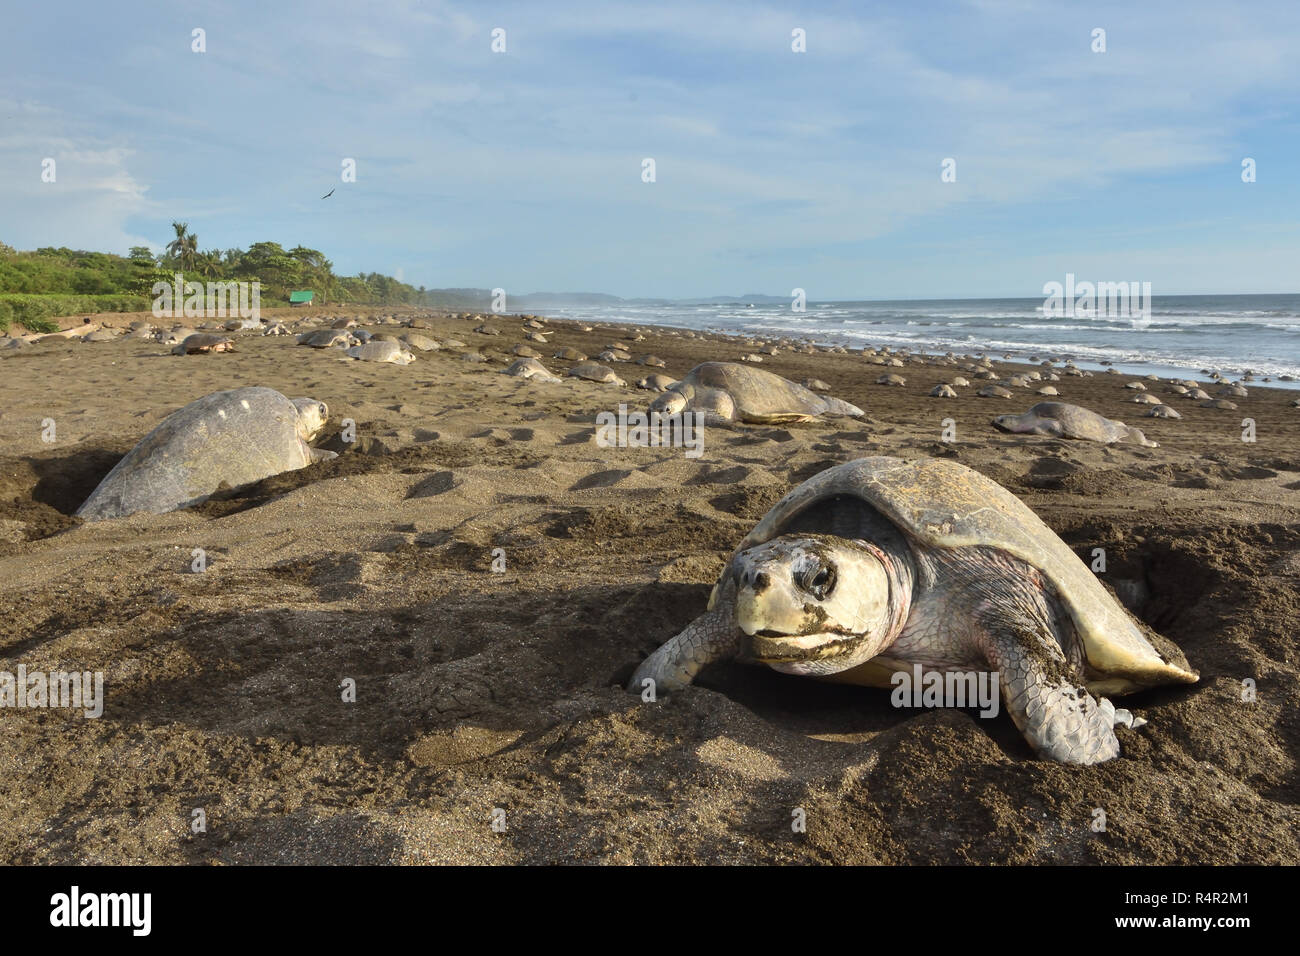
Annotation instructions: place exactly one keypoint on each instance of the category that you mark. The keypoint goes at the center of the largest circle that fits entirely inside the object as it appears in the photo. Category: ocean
(1181, 336)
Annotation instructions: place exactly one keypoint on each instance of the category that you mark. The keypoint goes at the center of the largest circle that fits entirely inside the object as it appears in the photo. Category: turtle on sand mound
(1059, 420)
(532, 370)
(925, 568)
(234, 437)
(728, 392)
(202, 342)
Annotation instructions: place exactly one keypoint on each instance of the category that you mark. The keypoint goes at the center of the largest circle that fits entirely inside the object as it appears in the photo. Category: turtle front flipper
(711, 637)
(1043, 692)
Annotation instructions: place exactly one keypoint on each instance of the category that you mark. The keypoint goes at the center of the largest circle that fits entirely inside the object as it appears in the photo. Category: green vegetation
(37, 286)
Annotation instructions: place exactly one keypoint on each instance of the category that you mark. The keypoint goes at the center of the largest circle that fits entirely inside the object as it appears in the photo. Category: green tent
(301, 298)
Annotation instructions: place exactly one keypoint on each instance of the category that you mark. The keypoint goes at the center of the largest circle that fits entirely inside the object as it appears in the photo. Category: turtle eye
(819, 581)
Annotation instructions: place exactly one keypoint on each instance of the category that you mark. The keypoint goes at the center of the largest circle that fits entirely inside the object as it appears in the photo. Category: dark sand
(478, 690)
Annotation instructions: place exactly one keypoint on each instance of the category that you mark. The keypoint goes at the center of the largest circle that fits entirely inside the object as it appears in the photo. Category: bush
(34, 312)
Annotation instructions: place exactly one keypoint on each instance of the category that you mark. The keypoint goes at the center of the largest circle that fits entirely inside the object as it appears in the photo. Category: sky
(774, 169)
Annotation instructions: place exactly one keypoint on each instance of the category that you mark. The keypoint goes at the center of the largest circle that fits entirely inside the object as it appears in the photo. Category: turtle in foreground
(1059, 420)
(882, 566)
(728, 392)
(233, 437)
(530, 369)
(203, 342)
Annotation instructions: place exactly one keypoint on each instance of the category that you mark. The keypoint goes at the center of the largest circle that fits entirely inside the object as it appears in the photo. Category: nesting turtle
(422, 342)
(1048, 390)
(656, 382)
(201, 343)
(570, 355)
(1163, 411)
(994, 391)
(233, 437)
(613, 355)
(653, 361)
(727, 392)
(959, 382)
(1145, 398)
(276, 328)
(943, 391)
(897, 381)
(381, 352)
(1222, 403)
(1059, 420)
(595, 372)
(327, 339)
(530, 369)
(523, 351)
(816, 385)
(882, 566)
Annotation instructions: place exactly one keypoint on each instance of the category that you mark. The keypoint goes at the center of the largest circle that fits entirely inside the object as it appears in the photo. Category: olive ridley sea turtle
(1059, 420)
(234, 437)
(728, 392)
(884, 566)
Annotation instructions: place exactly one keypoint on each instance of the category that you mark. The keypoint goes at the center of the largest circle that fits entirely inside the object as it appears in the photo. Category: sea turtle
(895, 380)
(727, 392)
(883, 566)
(381, 352)
(1218, 403)
(653, 361)
(959, 382)
(233, 437)
(531, 369)
(326, 339)
(613, 355)
(656, 382)
(570, 355)
(523, 351)
(594, 372)
(1048, 390)
(1144, 398)
(422, 342)
(202, 342)
(994, 391)
(943, 391)
(1059, 420)
(1163, 411)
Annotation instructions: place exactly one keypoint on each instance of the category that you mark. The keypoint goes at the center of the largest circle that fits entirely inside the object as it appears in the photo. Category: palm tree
(185, 247)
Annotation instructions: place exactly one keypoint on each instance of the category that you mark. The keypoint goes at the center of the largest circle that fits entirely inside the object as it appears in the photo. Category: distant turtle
(994, 391)
(100, 335)
(1218, 403)
(883, 567)
(233, 437)
(344, 324)
(1059, 420)
(613, 355)
(959, 382)
(487, 330)
(569, 354)
(276, 328)
(523, 351)
(816, 385)
(1145, 398)
(1163, 411)
(327, 339)
(1198, 394)
(1136, 386)
(381, 352)
(1048, 390)
(943, 391)
(653, 361)
(532, 370)
(751, 357)
(1228, 391)
(727, 392)
(1178, 389)
(656, 382)
(203, 342)
(594, 372)
(895, 380)
(422, 342)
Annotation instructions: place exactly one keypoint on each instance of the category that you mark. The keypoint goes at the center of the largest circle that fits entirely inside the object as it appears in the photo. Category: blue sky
(775, 169)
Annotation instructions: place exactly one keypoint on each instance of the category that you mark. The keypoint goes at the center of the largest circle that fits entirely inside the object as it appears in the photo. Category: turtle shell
(941, 504)
(238, 437)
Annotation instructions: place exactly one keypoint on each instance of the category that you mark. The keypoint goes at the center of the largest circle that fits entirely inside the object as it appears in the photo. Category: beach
(490, 723)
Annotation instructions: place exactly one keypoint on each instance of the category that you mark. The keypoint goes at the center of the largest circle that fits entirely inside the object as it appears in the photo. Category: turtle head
(312, 416)
(673, 401)
(818, 604)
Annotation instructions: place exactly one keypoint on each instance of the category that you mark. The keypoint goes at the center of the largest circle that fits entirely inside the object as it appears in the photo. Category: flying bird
(328, 194)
